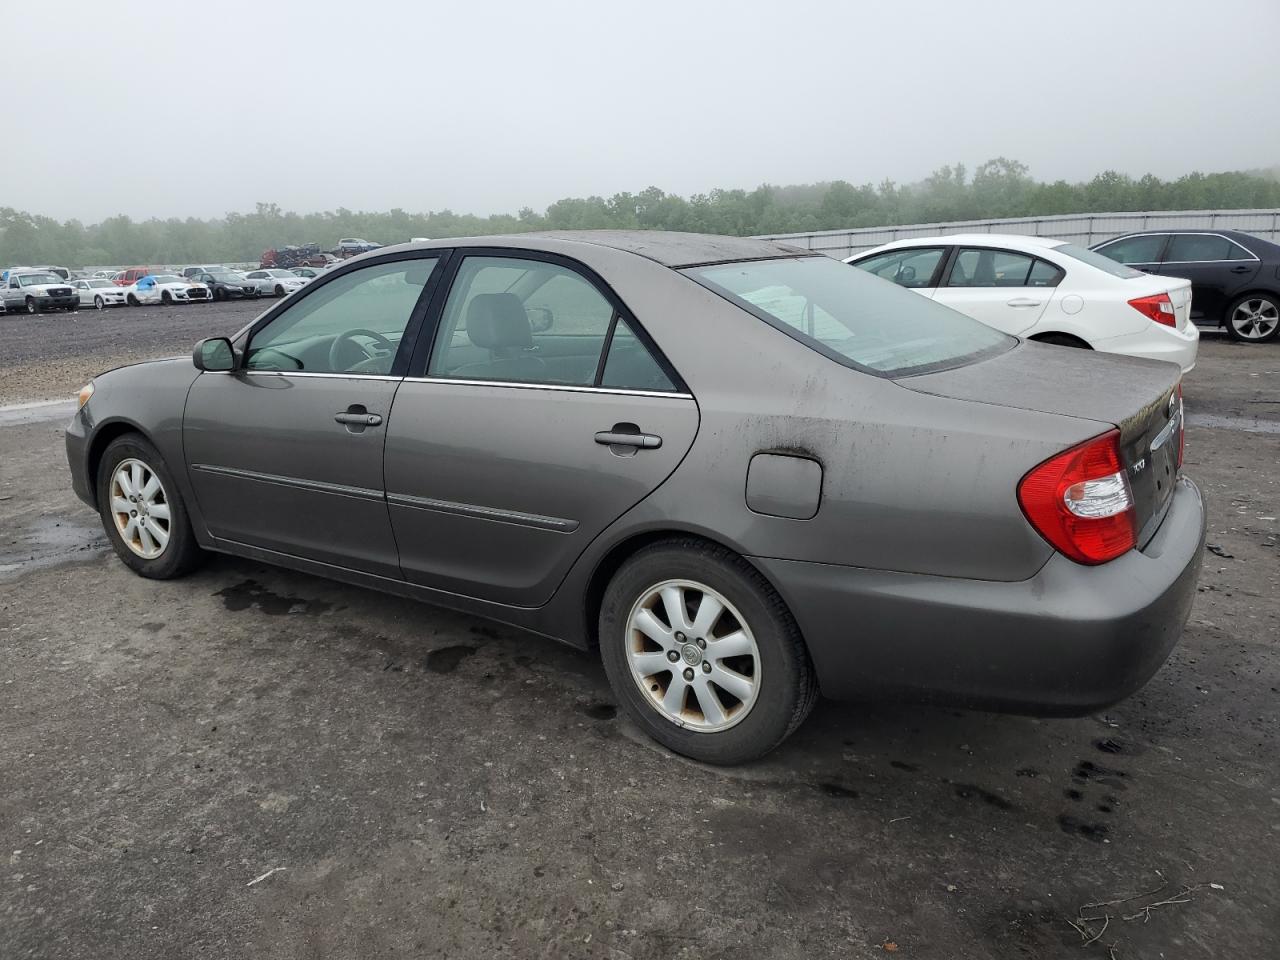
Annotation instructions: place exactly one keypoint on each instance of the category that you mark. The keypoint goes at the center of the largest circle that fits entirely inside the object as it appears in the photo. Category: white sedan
(100, 292)
(164, 288)
(278, 282)
(1047, 290)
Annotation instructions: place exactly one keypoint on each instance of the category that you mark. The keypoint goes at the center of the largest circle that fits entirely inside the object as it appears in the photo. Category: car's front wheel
(703, 654)
(1254, 318)
(99, 303)
(142, 511)
(279, 290)
(32, 306)
(166, 298)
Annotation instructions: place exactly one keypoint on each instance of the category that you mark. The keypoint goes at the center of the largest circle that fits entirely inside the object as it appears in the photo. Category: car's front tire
(166, 298)
(279, 290)
(142, 510)
(702, 653)
(1254, 318)
(32, 306)
(99, 303)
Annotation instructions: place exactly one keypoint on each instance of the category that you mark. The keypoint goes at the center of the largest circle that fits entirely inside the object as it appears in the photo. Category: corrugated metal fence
(1085, 229)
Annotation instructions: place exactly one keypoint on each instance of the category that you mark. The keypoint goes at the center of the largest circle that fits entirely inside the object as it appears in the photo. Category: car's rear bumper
(1158, 343)
(1070, 640)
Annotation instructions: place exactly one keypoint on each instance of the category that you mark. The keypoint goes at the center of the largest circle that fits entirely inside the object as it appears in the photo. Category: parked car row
(1144, 294)
(39, 289)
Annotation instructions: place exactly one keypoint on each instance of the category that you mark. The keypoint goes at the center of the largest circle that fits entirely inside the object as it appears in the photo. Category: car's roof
(1014, 241)
(667, 248)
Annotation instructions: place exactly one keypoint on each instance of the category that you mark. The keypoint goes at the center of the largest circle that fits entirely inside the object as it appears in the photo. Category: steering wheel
(341, 342)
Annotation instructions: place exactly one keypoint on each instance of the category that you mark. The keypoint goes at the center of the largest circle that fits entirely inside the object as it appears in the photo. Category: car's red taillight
(1080, 501)
(1158, 308)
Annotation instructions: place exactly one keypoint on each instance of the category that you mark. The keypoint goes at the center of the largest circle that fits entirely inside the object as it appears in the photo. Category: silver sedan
(742, 472)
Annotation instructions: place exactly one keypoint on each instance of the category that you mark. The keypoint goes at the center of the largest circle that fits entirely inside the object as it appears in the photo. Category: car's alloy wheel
(32, 306)
(99, 303)
(140, 508)
(702, 653)
(1254, 319)
(693, 656)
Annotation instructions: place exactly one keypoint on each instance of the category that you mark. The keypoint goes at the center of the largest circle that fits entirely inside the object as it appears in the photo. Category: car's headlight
(85, 393)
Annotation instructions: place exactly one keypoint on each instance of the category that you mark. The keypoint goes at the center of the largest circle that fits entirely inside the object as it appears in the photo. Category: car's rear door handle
(616, 438)
(1241, 269)
(1024, 302)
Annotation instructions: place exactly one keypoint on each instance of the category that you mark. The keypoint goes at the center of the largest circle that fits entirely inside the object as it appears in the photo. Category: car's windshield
(853, 317)
(166, 278)
(226, 275)
(100, 283)
(1095, 259)
(31, 279)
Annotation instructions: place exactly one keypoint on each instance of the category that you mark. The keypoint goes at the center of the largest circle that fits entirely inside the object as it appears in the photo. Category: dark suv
(1235, 277)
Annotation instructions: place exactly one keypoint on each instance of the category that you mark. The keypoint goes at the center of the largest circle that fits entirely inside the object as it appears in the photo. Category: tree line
(997, 188)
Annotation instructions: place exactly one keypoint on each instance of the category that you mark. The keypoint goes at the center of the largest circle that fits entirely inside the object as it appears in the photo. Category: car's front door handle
(1024, 302)
(356, 418)
(614, 438)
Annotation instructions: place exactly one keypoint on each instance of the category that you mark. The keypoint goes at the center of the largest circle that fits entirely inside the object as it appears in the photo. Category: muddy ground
(428, 784)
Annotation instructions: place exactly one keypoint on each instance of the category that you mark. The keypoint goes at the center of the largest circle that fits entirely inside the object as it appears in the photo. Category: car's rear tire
(142, 510)
(1062, 340)
(1254, 318)
(722, 705)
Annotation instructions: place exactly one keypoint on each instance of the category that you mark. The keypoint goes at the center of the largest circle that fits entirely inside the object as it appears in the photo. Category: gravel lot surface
(426, 784)
(54, 354)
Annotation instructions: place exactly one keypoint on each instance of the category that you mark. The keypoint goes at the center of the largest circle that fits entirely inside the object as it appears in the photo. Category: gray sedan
(743, 472)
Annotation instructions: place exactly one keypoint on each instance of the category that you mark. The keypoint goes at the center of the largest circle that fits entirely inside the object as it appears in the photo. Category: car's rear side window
(851, 316)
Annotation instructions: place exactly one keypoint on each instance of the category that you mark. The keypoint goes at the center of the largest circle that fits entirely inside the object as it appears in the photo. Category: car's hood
(44, 287)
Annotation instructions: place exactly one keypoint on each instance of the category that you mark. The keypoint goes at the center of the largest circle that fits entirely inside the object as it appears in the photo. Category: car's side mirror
(214, 355)
(540, 318)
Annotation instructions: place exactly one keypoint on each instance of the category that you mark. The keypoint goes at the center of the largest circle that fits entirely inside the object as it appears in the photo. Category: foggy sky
(197, 109)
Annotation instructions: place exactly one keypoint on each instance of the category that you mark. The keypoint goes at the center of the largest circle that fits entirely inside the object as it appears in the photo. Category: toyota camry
(744, 473)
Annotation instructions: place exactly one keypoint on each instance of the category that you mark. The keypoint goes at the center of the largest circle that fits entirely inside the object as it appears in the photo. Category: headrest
(496, 320)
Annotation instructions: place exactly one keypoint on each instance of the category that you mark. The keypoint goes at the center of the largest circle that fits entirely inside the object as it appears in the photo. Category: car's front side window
(909, 267)
(351, 325)
(1141, 249)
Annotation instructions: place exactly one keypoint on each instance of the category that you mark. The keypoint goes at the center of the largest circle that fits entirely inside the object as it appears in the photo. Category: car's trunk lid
(1137, 396)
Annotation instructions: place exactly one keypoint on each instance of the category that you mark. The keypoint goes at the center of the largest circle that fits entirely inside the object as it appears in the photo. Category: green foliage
(998, 188)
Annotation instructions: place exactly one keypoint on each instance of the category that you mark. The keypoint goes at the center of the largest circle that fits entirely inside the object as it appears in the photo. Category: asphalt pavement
(254, 762)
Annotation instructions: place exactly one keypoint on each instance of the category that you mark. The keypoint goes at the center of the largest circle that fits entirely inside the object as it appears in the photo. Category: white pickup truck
(36, 291)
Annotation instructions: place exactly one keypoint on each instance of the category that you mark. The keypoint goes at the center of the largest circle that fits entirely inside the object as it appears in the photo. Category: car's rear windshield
(853, 317)
(1094, 259)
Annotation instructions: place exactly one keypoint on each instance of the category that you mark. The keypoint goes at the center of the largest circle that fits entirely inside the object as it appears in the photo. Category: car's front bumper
(1070, 640)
